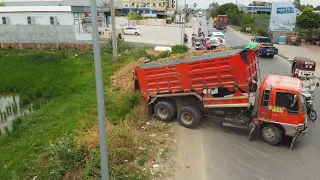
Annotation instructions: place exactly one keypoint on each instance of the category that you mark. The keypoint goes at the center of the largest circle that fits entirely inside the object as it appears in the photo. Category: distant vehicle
(200, 14)
(133, 30)
(220, 36)
(222, 22)
(267, 48)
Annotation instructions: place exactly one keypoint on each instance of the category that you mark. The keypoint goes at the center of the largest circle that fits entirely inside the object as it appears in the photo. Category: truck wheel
(271, 134)
(189, 116)
(165, 110)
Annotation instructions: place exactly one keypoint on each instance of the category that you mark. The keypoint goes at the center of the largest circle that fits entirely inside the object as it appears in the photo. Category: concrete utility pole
(114, 33)
(183, 25)
(99, 91)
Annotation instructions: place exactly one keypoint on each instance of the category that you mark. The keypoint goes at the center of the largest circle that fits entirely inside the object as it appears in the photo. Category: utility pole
(114, 33)
(99, 91)
(183, 22)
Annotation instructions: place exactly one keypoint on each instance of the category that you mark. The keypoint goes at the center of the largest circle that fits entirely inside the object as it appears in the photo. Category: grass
(50, 143)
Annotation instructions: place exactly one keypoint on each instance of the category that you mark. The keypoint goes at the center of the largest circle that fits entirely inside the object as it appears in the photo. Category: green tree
(233, 12)
(298, 4)
(308, 20)
(2, 4)
(134, 16)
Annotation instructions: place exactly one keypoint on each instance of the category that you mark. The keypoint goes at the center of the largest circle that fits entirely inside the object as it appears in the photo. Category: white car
(132, 30)
(221, 36)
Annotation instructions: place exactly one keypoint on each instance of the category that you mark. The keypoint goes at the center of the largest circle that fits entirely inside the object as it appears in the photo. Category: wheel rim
(186, 118)
(162, 112)
(312, 115)
(268, 133)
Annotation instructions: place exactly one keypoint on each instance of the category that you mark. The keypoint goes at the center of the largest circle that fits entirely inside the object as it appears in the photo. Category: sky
(205, 3)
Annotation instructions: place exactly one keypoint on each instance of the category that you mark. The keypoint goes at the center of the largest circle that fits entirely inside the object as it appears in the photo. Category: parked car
(220, 36)
(267, 48)
(132, 30)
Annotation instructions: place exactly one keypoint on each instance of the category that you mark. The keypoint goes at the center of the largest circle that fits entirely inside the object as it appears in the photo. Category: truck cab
(280, 109)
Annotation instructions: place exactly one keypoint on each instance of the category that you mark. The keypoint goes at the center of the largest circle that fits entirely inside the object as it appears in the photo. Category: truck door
(285, 108)
(264, 112)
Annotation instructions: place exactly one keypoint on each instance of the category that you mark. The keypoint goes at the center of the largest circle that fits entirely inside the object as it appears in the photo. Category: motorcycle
(185, 39)
(310, 110)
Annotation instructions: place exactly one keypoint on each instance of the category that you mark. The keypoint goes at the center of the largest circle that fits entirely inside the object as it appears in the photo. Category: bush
(67, 154)
(262, 32)
(179, 49)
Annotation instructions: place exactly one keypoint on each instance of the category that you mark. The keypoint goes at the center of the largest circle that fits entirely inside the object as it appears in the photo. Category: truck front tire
(165, 110)
(189, 116)
(271, 134)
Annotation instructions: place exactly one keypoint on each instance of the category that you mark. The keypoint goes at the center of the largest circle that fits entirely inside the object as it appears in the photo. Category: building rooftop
(35, 9)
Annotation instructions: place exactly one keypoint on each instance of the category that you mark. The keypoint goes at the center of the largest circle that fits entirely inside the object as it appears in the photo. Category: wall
(41, 18)
(36, 33)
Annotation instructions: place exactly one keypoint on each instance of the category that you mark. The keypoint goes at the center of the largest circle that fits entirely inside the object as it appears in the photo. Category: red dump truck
(224, 85)
(222, 22)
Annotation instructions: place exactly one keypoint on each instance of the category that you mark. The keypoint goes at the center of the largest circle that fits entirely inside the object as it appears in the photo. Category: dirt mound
(153, 52)
(123, 78)
(190, 54)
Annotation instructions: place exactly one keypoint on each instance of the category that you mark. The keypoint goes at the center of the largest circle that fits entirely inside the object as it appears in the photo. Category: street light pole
(99, 91)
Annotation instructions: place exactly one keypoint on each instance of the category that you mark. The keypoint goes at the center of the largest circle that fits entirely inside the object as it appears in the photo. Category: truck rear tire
(189, 116)
(271, 134)
(165, 110)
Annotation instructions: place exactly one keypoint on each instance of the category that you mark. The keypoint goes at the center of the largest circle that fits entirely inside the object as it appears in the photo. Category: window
(76, 22)
(265, 98)
(4, 20)
(76, 15)
(30, 20)
(286, 100)
(52, 20)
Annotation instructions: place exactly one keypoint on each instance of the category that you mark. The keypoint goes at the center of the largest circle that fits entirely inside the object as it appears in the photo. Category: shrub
(66, 153)
(262, 32)
(179, 49)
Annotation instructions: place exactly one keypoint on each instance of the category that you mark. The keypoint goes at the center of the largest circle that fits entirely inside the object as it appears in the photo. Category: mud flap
(252, 130)
(294, 140)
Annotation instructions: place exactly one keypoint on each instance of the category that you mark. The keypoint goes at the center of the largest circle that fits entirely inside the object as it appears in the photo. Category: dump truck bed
(219, 76)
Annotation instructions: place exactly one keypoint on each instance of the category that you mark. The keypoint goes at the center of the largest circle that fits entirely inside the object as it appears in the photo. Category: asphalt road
(228, 155)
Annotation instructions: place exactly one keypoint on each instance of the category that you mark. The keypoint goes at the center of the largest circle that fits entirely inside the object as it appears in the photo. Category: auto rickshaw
(304, 69)
(198, 43)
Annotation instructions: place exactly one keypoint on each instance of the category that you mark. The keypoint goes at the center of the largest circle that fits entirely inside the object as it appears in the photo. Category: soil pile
(123, 78)
(190, 54)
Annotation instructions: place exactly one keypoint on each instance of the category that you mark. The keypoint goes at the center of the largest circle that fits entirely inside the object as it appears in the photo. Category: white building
(48, 21)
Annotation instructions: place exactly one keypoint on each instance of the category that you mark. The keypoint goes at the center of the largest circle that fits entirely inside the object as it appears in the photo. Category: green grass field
(45, 143)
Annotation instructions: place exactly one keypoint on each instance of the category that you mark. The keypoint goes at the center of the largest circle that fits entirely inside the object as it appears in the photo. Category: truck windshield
(286, 100)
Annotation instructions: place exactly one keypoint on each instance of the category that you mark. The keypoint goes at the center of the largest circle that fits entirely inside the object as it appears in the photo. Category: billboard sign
(283, 17)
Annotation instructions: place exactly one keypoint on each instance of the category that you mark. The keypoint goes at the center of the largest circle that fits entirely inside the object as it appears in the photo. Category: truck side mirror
(318, 84)
(294, 100)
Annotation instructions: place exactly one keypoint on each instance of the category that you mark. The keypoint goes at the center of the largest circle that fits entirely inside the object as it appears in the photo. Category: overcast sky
(204, 3)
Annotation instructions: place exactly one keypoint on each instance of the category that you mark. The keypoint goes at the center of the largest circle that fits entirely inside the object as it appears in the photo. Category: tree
(308, 20)
(2, 4)
(233, 12)
(317, 8)
(134, 16)
(298, 4)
